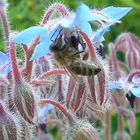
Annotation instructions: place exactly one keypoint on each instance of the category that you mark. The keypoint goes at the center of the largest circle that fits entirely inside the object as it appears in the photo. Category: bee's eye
(58, 44)
(74, 41)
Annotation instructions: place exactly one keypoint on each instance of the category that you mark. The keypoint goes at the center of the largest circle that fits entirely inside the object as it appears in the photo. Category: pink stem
(101, 79)
(120, 123)
(54, 7)
(90, 46)
(51, 72)
(91, 83)
(2, 111)
(60, 95)
(70, 90)
(5, 25)
(135, 40)
(132, 74)
(60, 107)
(41, 82)
(117, 103)
(122, 66)
(80, 94)
(113, 60)
(16, 72)
(28, 65)
(107, 126)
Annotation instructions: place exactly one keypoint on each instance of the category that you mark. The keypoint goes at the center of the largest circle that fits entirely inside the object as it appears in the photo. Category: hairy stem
(16, 72)
(90, 46)
(120, 123)
(54, 7)
(132, 74)
(51, 72)
(5, 26)
(107, 126)
(60, 107)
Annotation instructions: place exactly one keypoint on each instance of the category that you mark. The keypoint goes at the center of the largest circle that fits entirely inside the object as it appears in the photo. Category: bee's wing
(135, 91)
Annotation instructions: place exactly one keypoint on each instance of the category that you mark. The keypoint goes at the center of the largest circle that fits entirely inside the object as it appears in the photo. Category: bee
(67, 49)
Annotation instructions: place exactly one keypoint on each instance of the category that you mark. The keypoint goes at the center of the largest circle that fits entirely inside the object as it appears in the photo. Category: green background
(26, 13)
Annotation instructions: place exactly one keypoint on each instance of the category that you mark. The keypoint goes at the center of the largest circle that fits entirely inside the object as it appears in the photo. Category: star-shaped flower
(132, 89)
(80, 21)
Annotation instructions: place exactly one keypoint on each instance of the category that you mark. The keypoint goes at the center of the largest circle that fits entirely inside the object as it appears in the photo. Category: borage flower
(79, 21)
(131, 89)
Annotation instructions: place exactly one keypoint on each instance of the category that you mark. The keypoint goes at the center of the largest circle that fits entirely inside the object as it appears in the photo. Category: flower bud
(24, 101)
(122, 136)
(81, 130)
(130, 117)
(9, 125)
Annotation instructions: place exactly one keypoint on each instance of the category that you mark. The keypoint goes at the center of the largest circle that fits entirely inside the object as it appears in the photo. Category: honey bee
(66, 49)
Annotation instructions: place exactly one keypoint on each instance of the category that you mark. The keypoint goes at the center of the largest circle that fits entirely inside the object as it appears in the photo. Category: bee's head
(59, 44)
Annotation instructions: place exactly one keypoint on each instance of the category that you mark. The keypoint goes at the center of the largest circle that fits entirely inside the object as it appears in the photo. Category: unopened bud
(24, 101)
(9, 125)
(81, 130)
(122, 136)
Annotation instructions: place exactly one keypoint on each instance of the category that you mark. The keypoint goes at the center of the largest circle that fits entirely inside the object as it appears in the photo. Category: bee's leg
(85, 69)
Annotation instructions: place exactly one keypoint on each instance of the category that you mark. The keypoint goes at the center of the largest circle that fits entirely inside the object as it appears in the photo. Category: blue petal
(6, 70)
(115, 13)
(28, 34)
(66, 23)
(84, 14)
(135, 91)
(115, 86)
(42, 48)
(42, 113)
(86, 28)
(3, 58)
(98, 35)
(55, 32)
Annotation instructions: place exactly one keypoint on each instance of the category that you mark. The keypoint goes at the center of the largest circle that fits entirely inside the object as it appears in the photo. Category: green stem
(107, 126)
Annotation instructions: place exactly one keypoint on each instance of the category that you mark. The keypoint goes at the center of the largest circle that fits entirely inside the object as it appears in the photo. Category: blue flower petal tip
(98, 36)
(115, 86)
(28, 34)
(135, 91)
(42, 113)
(115, 13)
(3, 58)
(42, 48)
(4, 64)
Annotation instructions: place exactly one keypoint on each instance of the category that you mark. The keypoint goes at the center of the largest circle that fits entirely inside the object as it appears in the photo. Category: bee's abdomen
(85, 69)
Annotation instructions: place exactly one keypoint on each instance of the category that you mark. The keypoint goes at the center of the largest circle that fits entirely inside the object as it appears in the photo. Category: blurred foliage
(25, 13)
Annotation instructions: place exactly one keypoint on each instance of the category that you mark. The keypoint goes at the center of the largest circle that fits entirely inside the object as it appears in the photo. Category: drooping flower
(79, 21)
(131, 89)
(42, 112)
